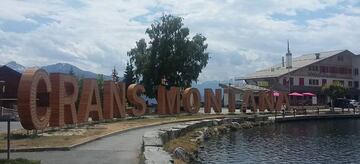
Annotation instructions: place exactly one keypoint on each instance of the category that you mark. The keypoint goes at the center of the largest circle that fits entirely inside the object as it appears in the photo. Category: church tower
(288, 57)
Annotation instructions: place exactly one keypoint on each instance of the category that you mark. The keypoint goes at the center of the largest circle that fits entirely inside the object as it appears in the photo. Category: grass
(184, 142)
(19, 161)
(20, 139)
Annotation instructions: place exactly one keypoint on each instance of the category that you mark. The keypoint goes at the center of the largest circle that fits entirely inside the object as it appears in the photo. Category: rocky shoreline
(180, 144)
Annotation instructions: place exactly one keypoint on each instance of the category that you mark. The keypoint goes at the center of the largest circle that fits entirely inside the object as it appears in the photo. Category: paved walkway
(13, 125)
(122, 148)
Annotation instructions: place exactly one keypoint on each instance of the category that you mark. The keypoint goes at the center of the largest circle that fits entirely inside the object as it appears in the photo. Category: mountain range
(65, 68)
(58, 68)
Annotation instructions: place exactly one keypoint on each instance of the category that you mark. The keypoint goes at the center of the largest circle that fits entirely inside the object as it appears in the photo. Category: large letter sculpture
(231, 99)
(282, 100)
(168, 101)
(248, 97)
(90, 105)
(191, 94)
(212, 101)
(114, 100)
(63, 97)
(34, 84)
(265, 101)
(138, 102)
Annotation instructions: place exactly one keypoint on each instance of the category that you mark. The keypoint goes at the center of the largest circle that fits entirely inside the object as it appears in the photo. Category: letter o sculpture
(33, 82)
(196, 100)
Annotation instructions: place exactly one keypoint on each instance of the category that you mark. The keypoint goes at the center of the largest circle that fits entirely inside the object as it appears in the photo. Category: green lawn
(19, 161)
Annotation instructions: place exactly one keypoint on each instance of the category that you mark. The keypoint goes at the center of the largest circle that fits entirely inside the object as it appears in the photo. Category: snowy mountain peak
(15, 66)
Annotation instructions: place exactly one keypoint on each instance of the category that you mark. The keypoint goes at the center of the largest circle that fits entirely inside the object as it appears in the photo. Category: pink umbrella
(276, 94)
(308, 94)
(295, 94)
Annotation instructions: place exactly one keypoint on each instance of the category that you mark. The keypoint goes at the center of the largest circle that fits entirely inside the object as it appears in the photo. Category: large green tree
(129, 75)
(114, 75)
(334, 90)
(170, 55)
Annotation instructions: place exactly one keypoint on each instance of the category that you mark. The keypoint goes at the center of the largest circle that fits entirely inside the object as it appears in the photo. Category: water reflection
(324, 141)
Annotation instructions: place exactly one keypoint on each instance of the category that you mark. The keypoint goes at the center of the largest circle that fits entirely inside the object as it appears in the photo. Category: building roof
(297, 63)
(244, 87)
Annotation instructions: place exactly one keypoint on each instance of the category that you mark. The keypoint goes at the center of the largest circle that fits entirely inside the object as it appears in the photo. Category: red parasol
(295, 94)
(308, 94)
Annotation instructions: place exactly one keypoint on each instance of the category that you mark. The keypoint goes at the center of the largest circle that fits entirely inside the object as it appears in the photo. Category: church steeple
(288, 46)
(288, 49)
(288, 56)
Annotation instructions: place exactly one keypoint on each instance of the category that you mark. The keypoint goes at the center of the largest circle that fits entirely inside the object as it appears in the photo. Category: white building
(309, 72)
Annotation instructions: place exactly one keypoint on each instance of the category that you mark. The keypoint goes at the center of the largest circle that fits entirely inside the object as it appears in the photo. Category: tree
(335, 90)
(115, 76)
(171, 55)
(129, 76)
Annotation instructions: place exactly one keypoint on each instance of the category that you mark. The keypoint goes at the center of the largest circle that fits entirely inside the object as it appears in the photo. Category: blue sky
(243, 35)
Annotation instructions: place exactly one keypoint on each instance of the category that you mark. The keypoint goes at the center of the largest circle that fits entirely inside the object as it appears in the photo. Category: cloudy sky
(243, 35)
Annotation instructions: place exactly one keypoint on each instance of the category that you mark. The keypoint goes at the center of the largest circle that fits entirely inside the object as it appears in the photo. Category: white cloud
(242, 35)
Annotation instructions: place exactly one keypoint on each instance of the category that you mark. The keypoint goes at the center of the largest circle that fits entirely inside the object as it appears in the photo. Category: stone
(215, 123)
(234, 126)
(246, 125)
(156, 155)
(152, 138)
(173, 133)
(193, 124)
(200, 138)
(238, 120)
(180, 153)
(183, 129)
(164, 136)
(206, 133)
(227, 120)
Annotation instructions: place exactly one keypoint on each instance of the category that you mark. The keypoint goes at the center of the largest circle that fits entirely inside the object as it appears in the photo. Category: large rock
(207, 133)
(183, 127)
(206, 123)
(152, 138)
(234, 126)
(156, 155)
(193, 124)
(173, 133)
(164, 136)
(246, 125)
(180, 153)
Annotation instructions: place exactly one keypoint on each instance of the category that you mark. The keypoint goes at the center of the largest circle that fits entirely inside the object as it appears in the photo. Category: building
(9, 82)
(309, 72)
(239, 90)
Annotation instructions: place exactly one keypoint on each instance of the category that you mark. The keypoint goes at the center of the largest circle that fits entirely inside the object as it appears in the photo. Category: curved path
(121, 148)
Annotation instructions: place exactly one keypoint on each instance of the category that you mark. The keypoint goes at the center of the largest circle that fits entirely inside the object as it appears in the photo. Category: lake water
(323, 141)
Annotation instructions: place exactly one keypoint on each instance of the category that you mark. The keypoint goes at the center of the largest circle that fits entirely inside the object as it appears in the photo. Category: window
(356, 71)
(350, 83)
(356, 84)
(323, 82)
(291, 81)
(313, 68)
(322, 69)
(301, 81)
(313, 82)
